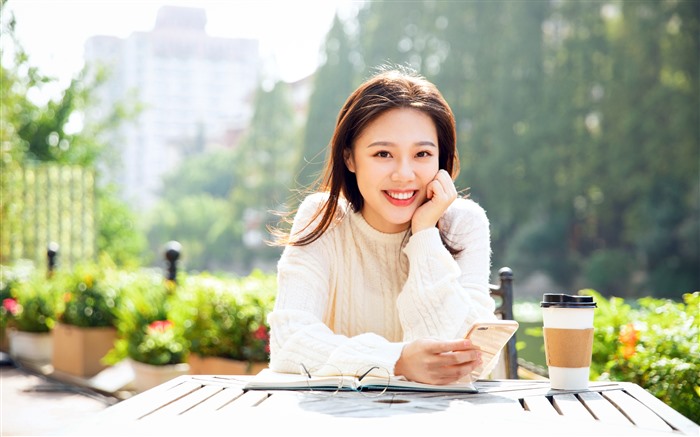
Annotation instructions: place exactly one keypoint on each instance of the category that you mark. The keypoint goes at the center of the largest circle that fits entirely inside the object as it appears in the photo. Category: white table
(217, 405)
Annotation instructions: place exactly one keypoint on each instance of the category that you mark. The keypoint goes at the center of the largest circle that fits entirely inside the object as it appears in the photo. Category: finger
(439, 347)
(447, 187)
(444, 177)
(446, 184)
(460, 371)
(448, 374)
(437, 190)
(430, 190)
(439, 177)
(442, 173)
(462, 357)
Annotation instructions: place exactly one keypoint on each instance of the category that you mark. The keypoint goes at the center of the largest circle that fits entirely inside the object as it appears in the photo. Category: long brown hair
(389, 89)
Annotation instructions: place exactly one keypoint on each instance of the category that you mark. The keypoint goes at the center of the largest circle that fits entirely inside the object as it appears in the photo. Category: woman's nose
(403, 172)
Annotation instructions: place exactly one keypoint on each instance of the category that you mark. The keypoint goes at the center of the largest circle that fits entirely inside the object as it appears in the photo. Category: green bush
(159, 343)
(10, 277)
(31, 306)
(88, 300)
(258, 292)
(653, 344)
(145, 325)
(227, 317)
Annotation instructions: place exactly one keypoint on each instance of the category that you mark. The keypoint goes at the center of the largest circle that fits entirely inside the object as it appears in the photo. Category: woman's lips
(400, 198)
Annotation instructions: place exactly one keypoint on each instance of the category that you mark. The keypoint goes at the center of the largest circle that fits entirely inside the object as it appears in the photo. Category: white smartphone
(491, 336)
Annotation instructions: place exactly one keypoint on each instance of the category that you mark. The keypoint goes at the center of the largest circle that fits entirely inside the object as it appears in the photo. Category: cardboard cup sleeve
(570, 348)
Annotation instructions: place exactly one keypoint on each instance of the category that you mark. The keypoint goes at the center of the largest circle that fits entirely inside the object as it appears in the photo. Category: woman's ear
(349, 160)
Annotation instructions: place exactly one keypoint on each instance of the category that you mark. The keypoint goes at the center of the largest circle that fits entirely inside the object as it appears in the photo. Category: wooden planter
(78, 351)
(200, 365)
(31, 346)
(4, 341)
(147, 376)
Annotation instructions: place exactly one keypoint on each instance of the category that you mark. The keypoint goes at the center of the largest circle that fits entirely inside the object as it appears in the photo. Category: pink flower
(11, 305)
(160, 325)
(261, 333)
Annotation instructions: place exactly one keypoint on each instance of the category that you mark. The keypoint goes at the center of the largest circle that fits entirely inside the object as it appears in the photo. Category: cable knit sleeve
(298, 332)
(444, 295)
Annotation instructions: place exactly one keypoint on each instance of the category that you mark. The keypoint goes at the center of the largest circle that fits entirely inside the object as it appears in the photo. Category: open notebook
(491, 336)
(268, 379)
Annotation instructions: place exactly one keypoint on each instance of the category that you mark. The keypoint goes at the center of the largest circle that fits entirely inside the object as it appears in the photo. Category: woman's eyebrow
(390, 144)
(425, 143)
(380, 144)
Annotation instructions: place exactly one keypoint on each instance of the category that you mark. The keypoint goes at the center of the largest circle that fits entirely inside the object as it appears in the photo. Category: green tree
(201, 223)
(270, 153)
(194, 210)
(120, 236)
(394, 33)
(333, 81)
(12, 105)
(51, 132)
(207, 173)
(218, 204)
(565, 130)
(654, 159)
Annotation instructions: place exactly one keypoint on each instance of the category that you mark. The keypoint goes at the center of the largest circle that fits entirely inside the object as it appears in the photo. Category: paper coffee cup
(568, 339)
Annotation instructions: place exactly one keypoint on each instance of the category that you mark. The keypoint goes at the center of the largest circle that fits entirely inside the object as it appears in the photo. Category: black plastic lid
(556, 300)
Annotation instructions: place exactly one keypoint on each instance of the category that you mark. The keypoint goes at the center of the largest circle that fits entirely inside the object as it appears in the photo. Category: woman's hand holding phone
(441, 192)
(435, 361)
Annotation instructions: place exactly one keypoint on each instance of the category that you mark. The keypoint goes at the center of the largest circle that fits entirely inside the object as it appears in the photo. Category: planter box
(200, 365)
(4, 341)
(31, 346)
(147, 376)
(78, 351)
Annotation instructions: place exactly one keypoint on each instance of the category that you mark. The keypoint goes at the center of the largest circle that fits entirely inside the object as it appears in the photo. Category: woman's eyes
(421, 154)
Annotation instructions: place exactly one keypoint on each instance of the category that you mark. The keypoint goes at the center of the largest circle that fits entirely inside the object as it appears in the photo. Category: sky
(53, 32)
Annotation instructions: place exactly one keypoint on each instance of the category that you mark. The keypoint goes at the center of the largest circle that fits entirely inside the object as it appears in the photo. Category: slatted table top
(218, 405)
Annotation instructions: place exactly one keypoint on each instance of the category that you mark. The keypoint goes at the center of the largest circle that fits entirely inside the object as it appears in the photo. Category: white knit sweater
(356, 296)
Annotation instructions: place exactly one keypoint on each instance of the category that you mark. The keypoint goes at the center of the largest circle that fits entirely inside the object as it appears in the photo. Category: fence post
(505, 275)
(172, 253)
(52, 258)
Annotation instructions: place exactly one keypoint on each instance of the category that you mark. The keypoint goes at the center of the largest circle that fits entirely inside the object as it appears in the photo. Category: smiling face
(394, 158)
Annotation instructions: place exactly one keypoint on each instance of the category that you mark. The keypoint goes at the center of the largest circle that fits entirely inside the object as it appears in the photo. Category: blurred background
(578, 128)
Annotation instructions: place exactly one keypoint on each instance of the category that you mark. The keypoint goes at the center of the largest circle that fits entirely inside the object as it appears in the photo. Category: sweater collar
(359, 222)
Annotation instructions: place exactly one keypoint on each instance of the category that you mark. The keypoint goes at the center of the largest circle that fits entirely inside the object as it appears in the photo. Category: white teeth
(401, 196)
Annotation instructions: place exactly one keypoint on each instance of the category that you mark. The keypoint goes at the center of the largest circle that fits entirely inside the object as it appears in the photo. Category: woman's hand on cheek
(437, 362)
(441, 192)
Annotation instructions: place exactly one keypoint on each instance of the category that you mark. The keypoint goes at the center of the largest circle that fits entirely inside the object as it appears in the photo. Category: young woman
(385, 265)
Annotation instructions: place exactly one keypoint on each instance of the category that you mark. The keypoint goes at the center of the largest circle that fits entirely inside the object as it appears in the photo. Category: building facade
(196, 93)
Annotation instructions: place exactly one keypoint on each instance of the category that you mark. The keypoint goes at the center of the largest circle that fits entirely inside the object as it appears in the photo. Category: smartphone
(491, 336)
